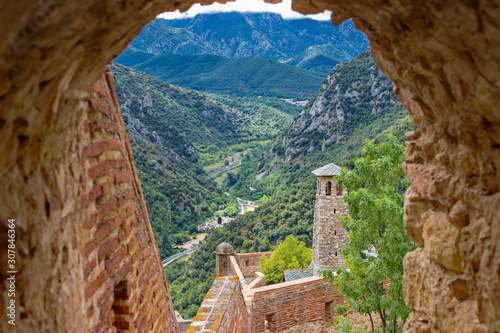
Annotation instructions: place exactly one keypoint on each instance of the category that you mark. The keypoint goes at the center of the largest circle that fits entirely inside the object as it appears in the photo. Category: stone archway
(444, 58)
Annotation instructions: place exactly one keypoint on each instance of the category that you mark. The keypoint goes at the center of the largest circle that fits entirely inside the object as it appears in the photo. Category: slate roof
(328, 170)
(296, 274)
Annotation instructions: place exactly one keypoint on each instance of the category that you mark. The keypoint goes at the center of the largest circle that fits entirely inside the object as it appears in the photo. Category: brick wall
(87, 260)
(329, 236)
(124, 282)
(249, 262)
(237, 318)
(288, 304)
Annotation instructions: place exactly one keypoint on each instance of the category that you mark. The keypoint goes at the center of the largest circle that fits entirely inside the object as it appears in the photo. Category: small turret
(222, 253)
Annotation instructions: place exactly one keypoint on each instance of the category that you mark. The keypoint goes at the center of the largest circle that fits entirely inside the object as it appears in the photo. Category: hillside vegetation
(240, 77)
(174, 132)
(355, 104)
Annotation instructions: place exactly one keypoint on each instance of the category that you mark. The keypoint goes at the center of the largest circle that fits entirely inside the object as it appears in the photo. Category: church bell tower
(329, 236)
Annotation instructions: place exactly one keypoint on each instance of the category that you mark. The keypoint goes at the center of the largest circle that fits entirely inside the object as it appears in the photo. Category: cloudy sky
(284, 8)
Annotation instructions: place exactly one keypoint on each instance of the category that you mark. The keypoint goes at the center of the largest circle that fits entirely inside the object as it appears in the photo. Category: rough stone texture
(223, 309)
(443, 56)
(329, 236)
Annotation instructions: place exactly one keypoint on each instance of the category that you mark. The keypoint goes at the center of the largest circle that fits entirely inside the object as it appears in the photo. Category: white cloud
(284, 8)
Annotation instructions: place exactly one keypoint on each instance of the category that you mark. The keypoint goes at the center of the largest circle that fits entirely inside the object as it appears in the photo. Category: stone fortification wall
(249, 262)
(305, 305)
(223, 309)
(329, 236)
(237, 319)
(87, 260)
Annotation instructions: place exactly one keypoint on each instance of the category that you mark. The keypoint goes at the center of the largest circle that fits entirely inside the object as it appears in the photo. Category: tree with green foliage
(377, 240)
(231, 210)
(219, 220)
(291, 254)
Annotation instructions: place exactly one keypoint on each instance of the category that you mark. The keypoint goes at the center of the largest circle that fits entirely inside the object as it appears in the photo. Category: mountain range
(306, 43)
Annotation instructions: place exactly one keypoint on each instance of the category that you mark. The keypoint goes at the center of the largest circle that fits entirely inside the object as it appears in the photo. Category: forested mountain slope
(354, 104)
(240, 77)
(169, 127)
(163, 123)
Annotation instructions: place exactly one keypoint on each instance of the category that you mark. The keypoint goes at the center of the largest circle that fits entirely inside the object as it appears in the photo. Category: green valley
(239, 77)
(181, 136)
(357, 104)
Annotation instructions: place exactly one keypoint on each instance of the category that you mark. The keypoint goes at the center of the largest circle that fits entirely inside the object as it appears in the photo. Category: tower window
(334, 211)
(328, 189)
(335, 253)
(335, 232)
(329, 313)
(339, 189)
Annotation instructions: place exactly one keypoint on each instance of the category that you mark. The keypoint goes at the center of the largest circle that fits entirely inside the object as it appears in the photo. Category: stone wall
(223, 309)
(249, 262)
(86, 255)
(329, 236)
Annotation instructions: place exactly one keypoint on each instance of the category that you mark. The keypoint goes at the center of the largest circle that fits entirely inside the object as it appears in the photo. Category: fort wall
(249, 262)
(223, 309)
(91, 257)
(284, 305)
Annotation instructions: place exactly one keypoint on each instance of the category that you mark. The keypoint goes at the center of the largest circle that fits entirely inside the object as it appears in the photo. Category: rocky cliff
(354, 104)
(353, 96)
(163, 123)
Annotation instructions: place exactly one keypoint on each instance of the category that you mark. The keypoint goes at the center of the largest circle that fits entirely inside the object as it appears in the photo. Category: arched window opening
(339, 189)
(328, 188)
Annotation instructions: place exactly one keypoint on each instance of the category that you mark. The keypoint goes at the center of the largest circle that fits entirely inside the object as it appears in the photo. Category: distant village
(213, 223)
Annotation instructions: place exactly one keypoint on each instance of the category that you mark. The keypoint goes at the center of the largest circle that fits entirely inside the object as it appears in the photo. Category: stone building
(329, 236)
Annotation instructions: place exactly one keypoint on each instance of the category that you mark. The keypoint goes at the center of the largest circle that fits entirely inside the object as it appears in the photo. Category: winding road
(225, 169)
(173, 258)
